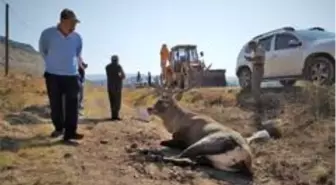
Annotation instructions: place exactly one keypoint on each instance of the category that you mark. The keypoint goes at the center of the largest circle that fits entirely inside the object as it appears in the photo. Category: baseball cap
(68, 14)
(114, 58)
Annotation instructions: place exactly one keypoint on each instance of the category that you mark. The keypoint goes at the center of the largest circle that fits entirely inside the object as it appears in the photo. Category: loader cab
(185, 53)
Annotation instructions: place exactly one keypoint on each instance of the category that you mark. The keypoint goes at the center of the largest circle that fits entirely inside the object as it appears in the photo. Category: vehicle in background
(292, 55)
(185, 59)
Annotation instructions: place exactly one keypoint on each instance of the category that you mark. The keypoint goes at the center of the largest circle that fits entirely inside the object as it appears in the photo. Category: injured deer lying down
(201, 137)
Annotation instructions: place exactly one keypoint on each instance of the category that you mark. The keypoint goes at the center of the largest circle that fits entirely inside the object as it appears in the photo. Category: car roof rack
(286, 28)
(316, 28)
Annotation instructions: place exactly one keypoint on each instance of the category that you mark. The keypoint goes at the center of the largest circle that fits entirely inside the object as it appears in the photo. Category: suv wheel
(245, 77)
(287, 83)
(320, 70)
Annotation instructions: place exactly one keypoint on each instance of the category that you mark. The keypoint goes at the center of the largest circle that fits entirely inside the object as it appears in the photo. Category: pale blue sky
(135, 29)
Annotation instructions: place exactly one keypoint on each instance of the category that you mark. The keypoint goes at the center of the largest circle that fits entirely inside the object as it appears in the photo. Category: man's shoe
(75, 136)
(56, 133)
(116, 119)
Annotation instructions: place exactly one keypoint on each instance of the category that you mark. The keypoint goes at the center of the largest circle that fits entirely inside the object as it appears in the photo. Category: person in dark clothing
(115, 75)
(138, 77)
(81, 71)
(149, 79)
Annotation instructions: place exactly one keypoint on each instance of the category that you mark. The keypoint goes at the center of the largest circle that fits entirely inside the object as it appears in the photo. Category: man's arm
(43, 44)
(79, 47)
(248, 58)
(81, 63)
(122, 74)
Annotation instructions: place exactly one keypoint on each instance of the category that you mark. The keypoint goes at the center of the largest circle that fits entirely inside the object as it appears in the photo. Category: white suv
(292, 55)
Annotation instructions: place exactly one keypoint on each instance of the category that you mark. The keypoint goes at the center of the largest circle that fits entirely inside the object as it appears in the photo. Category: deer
(200, 137)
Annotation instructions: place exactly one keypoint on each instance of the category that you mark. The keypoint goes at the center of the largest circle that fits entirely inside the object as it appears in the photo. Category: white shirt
(259, 52)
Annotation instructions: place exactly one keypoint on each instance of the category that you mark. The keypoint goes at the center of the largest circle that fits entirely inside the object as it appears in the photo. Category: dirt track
(102, 158)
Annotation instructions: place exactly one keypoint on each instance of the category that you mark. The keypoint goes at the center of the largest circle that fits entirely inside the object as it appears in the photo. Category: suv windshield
(314, 34)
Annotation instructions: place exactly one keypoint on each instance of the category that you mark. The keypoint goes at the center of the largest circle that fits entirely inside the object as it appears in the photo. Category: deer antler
(195, 82)
(161, 90)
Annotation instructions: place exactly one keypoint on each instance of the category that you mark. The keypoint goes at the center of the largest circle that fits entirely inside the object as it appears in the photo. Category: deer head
(166, 107)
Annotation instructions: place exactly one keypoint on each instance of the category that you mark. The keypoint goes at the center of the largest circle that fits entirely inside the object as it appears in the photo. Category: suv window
(282, 41)
(266, 42)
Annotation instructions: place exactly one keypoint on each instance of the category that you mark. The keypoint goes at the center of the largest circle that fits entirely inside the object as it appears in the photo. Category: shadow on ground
(42, 111)
(14, 144)
(40, 114)
(231, 177)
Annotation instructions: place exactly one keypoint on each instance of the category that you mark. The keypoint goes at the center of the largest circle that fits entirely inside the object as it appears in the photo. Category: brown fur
(188, 127)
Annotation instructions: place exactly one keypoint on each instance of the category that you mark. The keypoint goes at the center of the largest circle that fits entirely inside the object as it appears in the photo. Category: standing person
(257, 57)
(115, 75)
(149, 79)
(202, 59)
(164, 62)
(81, 71)
(139, 77)
(61, 49)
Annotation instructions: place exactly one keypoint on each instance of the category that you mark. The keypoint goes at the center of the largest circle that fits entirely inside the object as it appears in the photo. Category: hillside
(22, 58)
(19, 45)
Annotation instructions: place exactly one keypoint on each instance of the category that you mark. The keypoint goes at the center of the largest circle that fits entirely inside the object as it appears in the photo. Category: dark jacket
(115, 74)
(81, 74)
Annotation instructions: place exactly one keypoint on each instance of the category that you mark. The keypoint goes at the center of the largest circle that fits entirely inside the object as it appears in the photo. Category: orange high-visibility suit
(166, 69)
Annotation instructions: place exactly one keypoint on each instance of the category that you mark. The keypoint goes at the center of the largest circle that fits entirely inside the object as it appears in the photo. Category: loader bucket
(214, 78)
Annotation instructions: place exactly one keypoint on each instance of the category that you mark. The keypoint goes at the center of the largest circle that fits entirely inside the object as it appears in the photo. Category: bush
(320, 100)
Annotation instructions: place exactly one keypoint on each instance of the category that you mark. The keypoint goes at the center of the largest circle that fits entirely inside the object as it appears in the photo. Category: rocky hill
(23, 57)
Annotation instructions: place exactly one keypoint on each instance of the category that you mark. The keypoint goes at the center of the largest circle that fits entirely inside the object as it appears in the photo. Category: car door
(286, 55)
(266, 44)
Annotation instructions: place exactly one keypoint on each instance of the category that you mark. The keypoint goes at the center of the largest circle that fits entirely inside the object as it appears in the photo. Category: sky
(135, 30)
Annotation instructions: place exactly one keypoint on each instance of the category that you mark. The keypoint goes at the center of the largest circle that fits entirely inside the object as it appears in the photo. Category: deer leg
(173, 144)
(177, 141)
(210, 145)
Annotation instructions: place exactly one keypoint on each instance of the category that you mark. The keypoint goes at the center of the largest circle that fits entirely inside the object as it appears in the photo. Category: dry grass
(304, 154)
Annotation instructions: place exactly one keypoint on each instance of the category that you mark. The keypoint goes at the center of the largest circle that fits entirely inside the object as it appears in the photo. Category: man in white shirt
(257, 57)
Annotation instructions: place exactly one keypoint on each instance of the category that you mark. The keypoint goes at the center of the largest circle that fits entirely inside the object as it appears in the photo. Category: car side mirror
(294, 43)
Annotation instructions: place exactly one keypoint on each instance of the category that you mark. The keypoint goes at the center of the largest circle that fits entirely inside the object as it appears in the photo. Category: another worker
(139, 77)
(81, 70)
(115, 75)
(164, 59)
(257, 57)
(149, 79)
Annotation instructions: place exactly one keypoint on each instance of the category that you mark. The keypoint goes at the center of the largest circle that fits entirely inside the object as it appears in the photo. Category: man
(115, 75)
(61, 49)
(164, 63)
(81, 71)
(202, 59)
(257, 57)
(149, 79)
(139, 77)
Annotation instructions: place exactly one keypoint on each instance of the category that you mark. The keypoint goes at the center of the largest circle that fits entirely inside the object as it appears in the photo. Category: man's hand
(85, 65)
(249, 58)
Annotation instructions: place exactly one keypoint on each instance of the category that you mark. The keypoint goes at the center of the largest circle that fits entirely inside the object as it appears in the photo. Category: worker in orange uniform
(165, 66)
